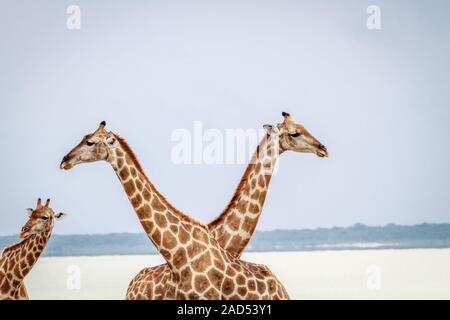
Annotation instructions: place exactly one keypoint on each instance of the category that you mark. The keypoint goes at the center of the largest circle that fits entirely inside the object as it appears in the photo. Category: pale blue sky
(379, 100)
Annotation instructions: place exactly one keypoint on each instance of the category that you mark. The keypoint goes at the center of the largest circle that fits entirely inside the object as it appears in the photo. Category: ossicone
(39, 204)
(102, 125)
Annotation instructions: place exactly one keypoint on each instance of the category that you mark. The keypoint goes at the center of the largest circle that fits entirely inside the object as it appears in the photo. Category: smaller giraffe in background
(17, 260)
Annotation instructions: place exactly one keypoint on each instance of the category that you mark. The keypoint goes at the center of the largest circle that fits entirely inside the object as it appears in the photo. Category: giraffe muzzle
(65, 164)
(322, 151)
(24, 232)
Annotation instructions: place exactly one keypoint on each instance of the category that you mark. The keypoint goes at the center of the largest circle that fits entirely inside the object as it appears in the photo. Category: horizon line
(260, 231)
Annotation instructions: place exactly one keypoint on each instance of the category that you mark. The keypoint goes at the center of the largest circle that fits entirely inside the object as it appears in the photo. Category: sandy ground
(365, 274)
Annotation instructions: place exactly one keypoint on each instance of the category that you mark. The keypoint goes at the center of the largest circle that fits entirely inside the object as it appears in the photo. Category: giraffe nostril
(64, 163)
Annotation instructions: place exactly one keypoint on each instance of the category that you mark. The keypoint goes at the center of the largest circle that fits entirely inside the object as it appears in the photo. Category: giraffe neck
(234, 227)
(18, 260)
(169, 229)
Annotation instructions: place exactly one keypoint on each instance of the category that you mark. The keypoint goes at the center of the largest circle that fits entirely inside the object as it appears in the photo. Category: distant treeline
(358, 236)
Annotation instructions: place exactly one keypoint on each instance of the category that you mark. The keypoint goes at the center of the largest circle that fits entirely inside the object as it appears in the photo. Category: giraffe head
(40, 219)
(95, 146)
(295, 137)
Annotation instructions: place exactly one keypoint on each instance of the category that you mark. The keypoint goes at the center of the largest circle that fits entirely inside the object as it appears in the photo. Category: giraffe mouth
(24, 234)
(322, 151)
(65, 165)
(322, 154)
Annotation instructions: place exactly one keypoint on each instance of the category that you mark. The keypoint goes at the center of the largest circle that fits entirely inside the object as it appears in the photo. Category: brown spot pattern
(169, 240)
(139, 185)
(228, 286)
(180, 258)
(215, 277)
(146, 194)
(136, 201)
(124, 173)
(253, 208)
(160, 220)
(129, 187)
(195, 248)
(144, 212)
(242, 206)
(183, 236)
(234, 222)
(261, 182)
(201, 263)
(157, 205)
(201, 283)
(156, 236)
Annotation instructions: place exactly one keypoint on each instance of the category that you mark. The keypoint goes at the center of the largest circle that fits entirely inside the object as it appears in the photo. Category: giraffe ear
(60, 215)
(288, 122)
(110, 140)
(29, 212)
(271, 129)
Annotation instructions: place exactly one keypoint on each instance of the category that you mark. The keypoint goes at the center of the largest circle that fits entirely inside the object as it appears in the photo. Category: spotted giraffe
(17, 260)
(199, 266)
(234, 227)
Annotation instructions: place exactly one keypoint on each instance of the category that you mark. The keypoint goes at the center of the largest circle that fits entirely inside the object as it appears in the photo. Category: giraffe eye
(90, 143)
(44, 218)
(294, 135)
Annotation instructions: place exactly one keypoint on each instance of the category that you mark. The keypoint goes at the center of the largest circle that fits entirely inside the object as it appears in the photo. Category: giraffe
(18, 259)
(199, 267)
(234, 227)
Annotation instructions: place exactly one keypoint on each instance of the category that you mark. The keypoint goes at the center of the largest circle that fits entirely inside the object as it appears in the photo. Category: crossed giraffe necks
(232, 229)
(169, 229)
(199, 267)
(16, 262)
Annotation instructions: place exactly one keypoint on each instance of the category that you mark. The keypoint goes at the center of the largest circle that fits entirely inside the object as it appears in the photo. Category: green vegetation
(358, 236)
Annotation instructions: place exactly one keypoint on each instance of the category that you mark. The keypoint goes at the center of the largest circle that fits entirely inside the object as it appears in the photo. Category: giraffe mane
(130, 152)
(124, 144)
